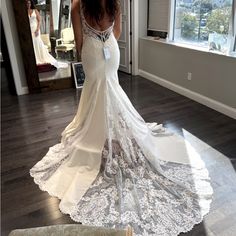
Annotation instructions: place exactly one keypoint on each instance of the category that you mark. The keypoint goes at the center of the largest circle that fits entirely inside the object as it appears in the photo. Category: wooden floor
(33, 123)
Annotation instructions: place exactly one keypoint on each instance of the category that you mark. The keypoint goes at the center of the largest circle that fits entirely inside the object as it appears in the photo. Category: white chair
(66, 43)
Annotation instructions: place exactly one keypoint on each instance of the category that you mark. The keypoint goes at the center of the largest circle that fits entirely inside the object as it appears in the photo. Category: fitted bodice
(33, 21)
(90, 31)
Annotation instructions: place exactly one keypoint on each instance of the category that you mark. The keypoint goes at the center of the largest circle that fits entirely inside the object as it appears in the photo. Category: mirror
(65, 16)
(53, 43)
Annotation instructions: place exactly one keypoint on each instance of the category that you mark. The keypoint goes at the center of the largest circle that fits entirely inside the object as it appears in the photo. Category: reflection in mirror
(65, 17)
(52, 36)
(55, 7)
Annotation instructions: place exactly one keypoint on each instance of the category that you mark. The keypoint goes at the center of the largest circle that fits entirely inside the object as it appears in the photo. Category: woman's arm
(117, 25)
(76, 23)
(38, 22)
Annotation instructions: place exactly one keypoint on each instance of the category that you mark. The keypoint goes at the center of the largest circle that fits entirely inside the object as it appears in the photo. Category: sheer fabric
(111, 168)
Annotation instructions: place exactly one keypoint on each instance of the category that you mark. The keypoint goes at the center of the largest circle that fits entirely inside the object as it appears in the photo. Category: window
(205, 23)
(210, 24)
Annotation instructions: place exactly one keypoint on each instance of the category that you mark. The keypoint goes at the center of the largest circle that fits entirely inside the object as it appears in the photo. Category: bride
(42, 55)
(111, 168)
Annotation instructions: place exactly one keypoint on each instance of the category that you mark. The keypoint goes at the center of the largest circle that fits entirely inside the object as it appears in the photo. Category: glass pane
(203, 22)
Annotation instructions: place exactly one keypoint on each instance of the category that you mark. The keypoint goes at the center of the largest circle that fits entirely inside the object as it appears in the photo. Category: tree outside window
(203, 22)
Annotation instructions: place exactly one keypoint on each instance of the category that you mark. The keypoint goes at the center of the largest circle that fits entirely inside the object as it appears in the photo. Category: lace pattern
(91, 32)
(133, 193)
(44, 169)
(130, 191)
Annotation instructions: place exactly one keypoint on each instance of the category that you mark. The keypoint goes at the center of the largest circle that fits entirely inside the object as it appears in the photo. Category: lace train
(145, 199)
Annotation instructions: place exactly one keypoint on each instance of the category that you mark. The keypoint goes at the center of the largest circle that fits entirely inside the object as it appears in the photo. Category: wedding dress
(42, 55)
(111, 168)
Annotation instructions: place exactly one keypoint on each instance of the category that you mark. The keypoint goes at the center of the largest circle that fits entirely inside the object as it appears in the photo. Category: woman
(111, 168)
(42, 55)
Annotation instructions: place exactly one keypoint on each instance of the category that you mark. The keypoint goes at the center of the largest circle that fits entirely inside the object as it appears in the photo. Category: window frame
(232, 34)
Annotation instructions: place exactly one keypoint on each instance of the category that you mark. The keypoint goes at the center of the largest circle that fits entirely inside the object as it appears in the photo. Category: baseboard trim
(218, 106)
(24, 90)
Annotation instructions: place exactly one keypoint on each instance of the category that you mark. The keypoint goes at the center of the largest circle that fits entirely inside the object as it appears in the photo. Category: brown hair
(32, 5)
(94, 9)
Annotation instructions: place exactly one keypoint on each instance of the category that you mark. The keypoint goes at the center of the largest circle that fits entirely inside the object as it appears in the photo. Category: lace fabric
(146, 200)
(91, 32)
(108, 170)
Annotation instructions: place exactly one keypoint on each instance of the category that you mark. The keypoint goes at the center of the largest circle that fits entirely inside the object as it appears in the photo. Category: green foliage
(218, 20)
(204, 5)
(188, 26)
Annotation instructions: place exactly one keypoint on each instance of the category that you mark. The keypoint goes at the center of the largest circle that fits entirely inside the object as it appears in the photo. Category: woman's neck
(30, 11)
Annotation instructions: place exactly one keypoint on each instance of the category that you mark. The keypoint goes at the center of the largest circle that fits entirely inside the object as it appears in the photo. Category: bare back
(104, 24)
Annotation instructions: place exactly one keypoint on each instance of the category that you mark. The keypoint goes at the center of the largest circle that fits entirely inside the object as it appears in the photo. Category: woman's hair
(32, 6)
(94, 9)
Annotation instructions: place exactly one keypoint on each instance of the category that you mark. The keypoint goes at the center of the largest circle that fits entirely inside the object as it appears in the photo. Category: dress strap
(89, 30)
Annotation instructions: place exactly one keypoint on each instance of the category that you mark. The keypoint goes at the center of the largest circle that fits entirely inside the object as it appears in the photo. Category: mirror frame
(26, 45)
(28, 56)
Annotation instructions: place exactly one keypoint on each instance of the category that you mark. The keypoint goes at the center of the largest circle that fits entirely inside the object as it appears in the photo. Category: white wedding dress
(111, 168)
(42, 55)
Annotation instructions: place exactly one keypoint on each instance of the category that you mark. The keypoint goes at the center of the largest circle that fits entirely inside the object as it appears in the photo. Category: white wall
(139, 25)
(13, 45)
(213, 76)
(142, 18)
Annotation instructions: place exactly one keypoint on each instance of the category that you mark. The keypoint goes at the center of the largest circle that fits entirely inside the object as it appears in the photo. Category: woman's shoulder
(36, 11)
(76, 2)
(76, 6)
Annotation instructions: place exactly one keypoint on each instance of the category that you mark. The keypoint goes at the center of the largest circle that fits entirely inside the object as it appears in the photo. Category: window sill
(193, 47)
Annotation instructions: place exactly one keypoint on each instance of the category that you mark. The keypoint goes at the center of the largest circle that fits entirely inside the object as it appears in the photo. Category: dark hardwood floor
(33, 123)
